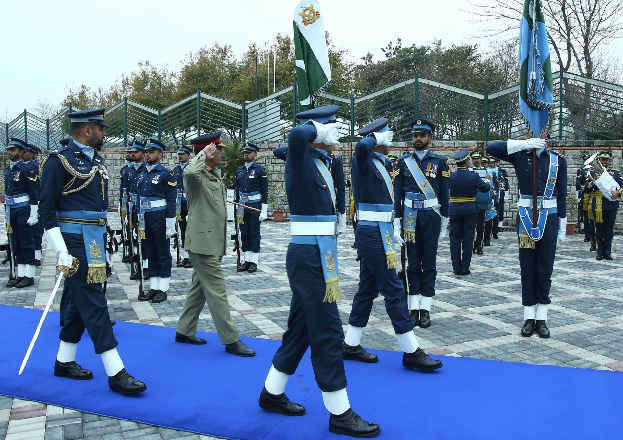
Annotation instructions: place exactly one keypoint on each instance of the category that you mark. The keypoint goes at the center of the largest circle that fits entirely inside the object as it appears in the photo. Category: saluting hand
(209, 151)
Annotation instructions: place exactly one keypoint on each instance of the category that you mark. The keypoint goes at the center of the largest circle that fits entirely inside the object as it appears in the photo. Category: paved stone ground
(477, 316)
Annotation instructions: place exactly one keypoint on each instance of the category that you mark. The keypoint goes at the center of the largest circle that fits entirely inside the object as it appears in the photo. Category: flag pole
(534, 189)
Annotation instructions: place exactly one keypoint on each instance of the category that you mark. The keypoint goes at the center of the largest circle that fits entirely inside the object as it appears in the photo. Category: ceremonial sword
(45, 312)
(244, 206)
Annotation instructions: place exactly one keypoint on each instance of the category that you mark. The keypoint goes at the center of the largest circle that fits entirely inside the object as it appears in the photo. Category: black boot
(123, 383)
(420, 361)
(71, 370)
(414, 315)
(280, 403)
(149, 295)
(358, 353)
(159, 297)
(243, 267)
(187, 263)
(528, 328)
(542, 330)
(424, 319)
(14, 281)
(252, 268)
(25, 282)
(351, 424)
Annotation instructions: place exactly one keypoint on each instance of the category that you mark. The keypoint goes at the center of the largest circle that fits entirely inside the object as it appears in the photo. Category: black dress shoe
(593, 248)
(145, 274)
(126, 259)
(180, 263)
(123, 383)
(71, 370)
(528, 328)
(25, 282)
(243, 267)
(487, 243)
(38, 263)
(466, 272)
(159, 297)
(252, 268)
(420, 361)
(149, 295)
(14, 281)
(424, 319)
(414, 315)
(351, 424)
(239, 349)
(495, 236)
(357, 353)
(457, 272)
(179, 337)
(541, 329)
(187, 263)
(479, 252)
(280, 403)
(607, 257)
(598, 257)
(112, 322)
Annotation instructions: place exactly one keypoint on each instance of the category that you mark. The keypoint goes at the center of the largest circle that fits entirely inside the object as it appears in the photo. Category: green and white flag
(313, 72)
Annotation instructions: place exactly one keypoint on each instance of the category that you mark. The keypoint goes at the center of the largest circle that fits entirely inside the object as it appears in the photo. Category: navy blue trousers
(22, 238)
(375, 278)
(157, 245)
(500, 207)
(38, 236)
(462, 230)
(250, 230)
(488, 230)
(480, 230)
(183, 223)
(537, 265)
(312, 322)
(86, 304)
(422, 255)
(604, 232)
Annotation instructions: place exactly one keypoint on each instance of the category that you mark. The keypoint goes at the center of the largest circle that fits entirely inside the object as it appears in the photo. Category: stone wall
(572, 150)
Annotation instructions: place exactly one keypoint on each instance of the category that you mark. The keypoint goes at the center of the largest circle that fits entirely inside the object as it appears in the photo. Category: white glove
(33, 219)
(562, 230)
(264, 213)
(384, 138)
(444, 225)
(66, 262)
(397, 229)
(327, 134)
(577, 194)
(170, 227)
(513, 146)
(341, 224)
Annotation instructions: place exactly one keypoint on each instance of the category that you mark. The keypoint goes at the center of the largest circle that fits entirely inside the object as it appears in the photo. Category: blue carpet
(205, 390)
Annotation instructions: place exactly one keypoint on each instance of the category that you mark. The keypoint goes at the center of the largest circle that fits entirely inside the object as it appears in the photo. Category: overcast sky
(47, 45)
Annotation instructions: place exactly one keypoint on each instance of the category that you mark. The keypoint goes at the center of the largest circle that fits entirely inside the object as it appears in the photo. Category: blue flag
(535, 82)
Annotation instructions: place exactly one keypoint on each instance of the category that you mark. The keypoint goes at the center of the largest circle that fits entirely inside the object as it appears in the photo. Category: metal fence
(584, 109)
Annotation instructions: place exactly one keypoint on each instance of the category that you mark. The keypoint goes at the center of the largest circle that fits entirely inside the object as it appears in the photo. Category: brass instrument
(604, 181)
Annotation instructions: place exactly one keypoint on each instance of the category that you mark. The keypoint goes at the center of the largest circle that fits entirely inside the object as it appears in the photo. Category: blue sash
(327, 245)
(242, 204)
(178, 204)
(10, 203)
(385, 174)
(93, 237)
(409, 217)
(527, 234)
(326, 175)
(124, 203)
(386, 229)
(145, 206)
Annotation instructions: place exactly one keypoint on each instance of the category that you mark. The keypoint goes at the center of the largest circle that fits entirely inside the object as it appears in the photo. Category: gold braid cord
(87, 177)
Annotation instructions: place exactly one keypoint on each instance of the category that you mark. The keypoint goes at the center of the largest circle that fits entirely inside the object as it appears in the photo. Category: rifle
(177, 241)
(402, 273)
(8, 257)
(112, 246)
(136, 259)
(236, 238)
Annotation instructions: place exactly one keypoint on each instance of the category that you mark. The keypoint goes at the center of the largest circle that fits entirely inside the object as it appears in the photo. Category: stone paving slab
(476, 316)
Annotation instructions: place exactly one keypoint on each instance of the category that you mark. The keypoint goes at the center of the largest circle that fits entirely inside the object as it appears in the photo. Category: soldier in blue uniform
(30, 160)
(312, 268)
(503, 189)
(251, 189)
(464, 185)
(138, 156)
(537, 246)
(582, 196)
(421, 201)
(483, 201)
(157, 199)
(123, 201)
(74, 202)
(21, 196)
(181, 206)
(374, 193)
(604, 209)
(491, 214)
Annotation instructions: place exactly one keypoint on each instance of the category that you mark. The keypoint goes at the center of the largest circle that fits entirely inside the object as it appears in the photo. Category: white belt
(182, 194)
(19, 199)
(153, 204)
(312, 228)
(527, 203)
(251, 198)
(427, 203)
(375, 216)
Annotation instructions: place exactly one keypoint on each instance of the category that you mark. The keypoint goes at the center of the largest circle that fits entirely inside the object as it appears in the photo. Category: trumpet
(603, 181)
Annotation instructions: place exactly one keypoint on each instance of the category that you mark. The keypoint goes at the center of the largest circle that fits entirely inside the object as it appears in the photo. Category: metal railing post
(198, 112)
(244, 123)
(486, 115)
(294, 98)
(159, 124)
(352, 119)
(125, 122)
(47, 134)
(560, 97)
(68, 121)
(417, 96)
(25, 126)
